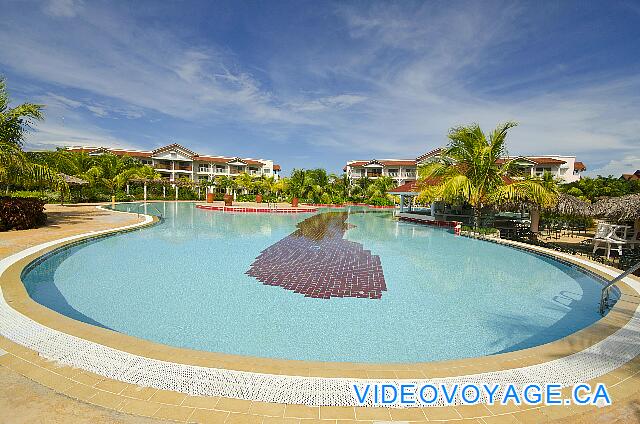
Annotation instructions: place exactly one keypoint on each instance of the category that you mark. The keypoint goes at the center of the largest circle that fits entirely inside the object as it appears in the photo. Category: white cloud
(63, 8)
(400, 77)
(616, 167)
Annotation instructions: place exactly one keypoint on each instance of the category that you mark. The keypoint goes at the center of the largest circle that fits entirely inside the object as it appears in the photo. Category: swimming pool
(345, 285)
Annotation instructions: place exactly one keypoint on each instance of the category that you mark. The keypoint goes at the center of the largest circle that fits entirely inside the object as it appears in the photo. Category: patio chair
(631, 238)
(603, 240)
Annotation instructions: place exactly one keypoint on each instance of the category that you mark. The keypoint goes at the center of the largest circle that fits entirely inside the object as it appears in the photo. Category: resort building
(175, 161)
(631, 177)
(564, 168)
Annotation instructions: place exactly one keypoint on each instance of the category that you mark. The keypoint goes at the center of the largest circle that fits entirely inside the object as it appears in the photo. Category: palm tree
(378, 189)
(471, 170)
(15, 166)
(245, 182)
(297, 182)
(280, 187)
(267, 185)
(113, 172)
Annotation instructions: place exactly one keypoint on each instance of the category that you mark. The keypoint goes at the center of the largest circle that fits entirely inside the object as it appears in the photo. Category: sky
(316, 83)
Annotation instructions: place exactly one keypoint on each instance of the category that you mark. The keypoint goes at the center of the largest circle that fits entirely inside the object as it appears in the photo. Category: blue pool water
(184, 283)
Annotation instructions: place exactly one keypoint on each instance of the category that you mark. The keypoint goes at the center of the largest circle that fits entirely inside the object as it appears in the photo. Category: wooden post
(534, 215)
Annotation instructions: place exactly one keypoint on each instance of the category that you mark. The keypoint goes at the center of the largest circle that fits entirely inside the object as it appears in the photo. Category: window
(266, 171)
(374, 172)
(204, 168)
(221, 169)
(393, 172)
(541, 171)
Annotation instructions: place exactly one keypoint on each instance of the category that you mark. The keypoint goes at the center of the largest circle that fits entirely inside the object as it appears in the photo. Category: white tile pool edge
(595, 361)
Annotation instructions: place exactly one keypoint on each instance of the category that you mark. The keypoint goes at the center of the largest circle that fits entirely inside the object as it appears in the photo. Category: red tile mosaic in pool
(316, 261)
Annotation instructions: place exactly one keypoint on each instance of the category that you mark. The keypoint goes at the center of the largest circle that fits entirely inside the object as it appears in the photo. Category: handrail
(604, 296)
(152, 205)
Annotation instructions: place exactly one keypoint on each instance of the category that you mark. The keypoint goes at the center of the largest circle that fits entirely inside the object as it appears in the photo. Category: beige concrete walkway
(23, 400)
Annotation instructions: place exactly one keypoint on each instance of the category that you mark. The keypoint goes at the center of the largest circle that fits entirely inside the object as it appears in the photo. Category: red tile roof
(117, 152)
(390, 162)
(175, 146)
(148, 154)
(535, 160)
(546, 161)
(212, 159)
(410, 187)
(415, 186)
(579, 166)
(276, 167)
(434, 152)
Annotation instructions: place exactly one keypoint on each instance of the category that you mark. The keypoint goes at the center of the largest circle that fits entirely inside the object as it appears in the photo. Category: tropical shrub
(18, 213)
(380, 201)
(246, 198)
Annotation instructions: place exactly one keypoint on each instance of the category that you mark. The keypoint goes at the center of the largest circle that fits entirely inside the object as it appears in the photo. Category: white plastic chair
(605, 239)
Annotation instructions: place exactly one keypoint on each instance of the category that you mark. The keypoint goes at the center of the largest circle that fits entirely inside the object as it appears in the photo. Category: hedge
(18, 213)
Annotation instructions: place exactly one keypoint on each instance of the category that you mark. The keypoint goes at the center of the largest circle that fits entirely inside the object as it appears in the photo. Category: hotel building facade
(175, 161)
(566, 169)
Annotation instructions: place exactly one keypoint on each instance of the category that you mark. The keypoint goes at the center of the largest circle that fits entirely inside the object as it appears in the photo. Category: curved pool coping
(587, 354)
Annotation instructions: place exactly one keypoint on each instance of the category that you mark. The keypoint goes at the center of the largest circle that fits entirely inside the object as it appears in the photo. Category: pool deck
(75, 395)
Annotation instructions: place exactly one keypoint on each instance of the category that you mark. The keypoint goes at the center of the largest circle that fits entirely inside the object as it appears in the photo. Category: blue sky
(317, 83)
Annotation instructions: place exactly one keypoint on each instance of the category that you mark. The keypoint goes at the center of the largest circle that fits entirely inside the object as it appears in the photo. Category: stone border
(139, 362)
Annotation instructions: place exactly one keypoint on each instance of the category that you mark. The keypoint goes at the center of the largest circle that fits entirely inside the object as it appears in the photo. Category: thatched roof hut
(71, 180)
(571, 205)
(624, 208)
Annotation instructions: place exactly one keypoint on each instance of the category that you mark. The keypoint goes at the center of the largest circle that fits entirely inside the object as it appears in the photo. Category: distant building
(174, 161)
(564, 168)
(631, 177)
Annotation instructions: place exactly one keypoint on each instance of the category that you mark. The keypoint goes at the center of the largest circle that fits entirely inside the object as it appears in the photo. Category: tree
(225, 183)
(114, 172)
(15, 166)
(377, 190)
(471, 170)
(245, 182)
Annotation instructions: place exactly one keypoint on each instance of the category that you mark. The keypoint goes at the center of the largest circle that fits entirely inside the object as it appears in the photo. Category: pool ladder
(150, 204)
(604, 296)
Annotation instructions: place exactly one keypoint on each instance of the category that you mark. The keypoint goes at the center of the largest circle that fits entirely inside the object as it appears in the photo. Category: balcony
(394, 174)
(163, 166)
(184, 168)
